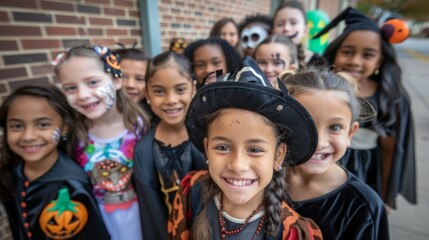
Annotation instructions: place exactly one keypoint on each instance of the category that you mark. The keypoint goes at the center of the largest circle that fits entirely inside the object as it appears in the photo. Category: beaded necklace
(224, 232)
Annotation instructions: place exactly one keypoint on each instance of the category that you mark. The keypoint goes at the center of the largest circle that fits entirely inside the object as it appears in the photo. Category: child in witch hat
(248, 131)
(342, 205)
(382, 151)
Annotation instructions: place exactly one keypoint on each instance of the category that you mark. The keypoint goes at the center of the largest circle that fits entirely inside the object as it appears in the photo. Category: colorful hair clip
(59, 59)
(111, 61)
(178, 45)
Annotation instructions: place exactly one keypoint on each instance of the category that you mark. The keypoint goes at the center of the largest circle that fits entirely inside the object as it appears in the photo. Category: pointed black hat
(355, 20)
(247, 88)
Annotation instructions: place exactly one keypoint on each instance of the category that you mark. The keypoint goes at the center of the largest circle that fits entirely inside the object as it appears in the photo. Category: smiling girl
(274, 55)
(382, 152)
(165, 154)
(39, 173)
(341, 204)
(247, 131)
(91, 79)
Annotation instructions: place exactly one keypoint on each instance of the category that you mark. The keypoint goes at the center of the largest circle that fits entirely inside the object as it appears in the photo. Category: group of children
(203, 145)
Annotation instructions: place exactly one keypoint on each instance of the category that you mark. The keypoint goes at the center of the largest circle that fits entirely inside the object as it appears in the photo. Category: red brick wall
(193, 19)
(32, 32)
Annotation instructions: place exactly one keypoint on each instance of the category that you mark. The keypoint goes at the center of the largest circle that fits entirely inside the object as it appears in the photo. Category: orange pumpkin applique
(63, 218)
(113, 62)
(395, 30)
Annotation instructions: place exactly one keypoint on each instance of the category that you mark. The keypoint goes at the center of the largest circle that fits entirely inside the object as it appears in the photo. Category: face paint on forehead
(56, 135)
(108, 92)
(251, 37)
(277, 58)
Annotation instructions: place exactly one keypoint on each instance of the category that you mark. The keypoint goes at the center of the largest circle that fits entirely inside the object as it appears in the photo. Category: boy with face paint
(253, 30)
(290, 20)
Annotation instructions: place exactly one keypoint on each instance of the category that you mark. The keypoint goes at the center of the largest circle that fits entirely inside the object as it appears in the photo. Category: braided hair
(274, 196)
(301, 56)
(274, 193)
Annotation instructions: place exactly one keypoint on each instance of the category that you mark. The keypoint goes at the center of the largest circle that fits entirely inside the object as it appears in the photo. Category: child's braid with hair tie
(274, 195)
(301, 56)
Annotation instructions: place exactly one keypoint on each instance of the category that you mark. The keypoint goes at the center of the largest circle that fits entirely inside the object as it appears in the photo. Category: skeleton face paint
(251, 37)
(108, 93)
(56, 135)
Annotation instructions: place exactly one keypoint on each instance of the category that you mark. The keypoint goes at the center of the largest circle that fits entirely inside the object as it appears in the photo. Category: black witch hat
(247, 88)
(355, 20)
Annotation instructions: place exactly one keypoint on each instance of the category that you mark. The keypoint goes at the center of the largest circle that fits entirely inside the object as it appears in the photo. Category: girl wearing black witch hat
(248, 131)
(382, 151)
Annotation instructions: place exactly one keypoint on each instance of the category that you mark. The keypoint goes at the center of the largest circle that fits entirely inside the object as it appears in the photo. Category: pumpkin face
(113, 62)
(395, 30)
(178, 45)
(63, 218)
(316, 21)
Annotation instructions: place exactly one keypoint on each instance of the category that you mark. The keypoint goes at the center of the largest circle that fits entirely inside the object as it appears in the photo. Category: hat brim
(301, 135)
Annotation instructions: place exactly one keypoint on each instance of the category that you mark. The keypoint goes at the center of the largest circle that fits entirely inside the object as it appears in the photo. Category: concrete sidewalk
(411, 222)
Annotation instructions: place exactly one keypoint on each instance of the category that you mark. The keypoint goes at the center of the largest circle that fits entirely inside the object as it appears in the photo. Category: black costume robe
(65, 173)
(367, 163)
(153, 211)
(352, 211)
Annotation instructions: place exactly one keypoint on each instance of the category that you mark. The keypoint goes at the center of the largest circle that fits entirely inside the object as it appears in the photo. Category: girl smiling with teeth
(165, 154)
(92, 81)
(242, 196)
(354, 210)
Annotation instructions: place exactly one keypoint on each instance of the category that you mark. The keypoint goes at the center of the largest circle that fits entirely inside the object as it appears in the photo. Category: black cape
(153, 211)
(367, 163)
(353, 211)
(64, 174)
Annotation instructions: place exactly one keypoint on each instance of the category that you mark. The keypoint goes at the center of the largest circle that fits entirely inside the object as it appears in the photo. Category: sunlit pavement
(411, 222)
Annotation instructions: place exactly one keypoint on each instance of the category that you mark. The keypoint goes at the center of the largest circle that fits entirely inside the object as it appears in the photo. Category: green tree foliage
(411, 9)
